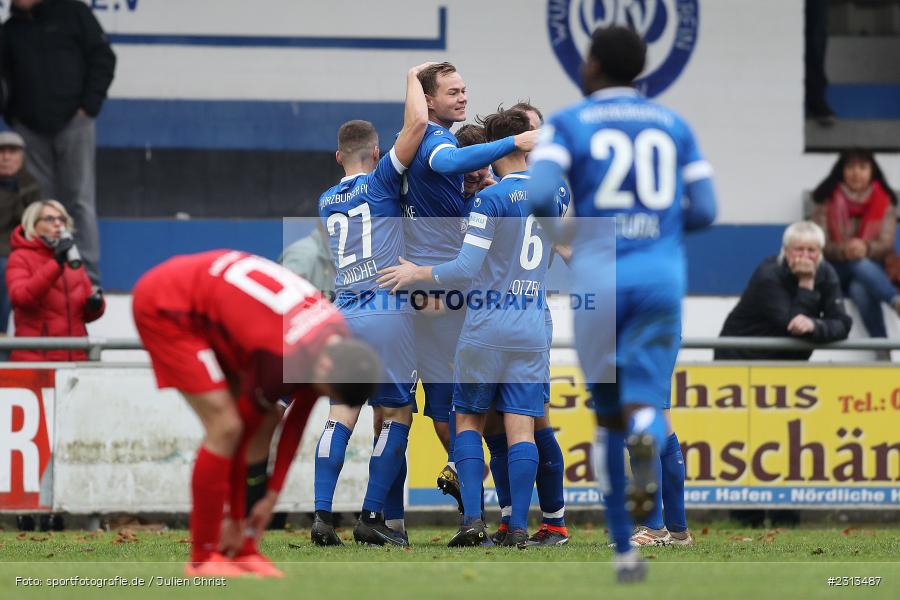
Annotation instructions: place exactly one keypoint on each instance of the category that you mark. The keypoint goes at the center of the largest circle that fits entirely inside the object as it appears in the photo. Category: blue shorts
(436, 338)
(646, 338)
(513, 382)
(391, 336)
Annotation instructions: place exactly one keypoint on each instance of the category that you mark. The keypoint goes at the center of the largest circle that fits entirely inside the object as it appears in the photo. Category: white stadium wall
(733, 68)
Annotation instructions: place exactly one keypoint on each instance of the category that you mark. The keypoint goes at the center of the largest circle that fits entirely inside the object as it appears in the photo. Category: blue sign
(669, 28)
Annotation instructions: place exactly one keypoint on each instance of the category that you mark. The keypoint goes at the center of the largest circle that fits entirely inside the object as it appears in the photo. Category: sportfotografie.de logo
(669, 27)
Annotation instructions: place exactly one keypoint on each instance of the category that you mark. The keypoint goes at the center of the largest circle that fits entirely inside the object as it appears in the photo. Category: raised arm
(415, 118)
(449, 159)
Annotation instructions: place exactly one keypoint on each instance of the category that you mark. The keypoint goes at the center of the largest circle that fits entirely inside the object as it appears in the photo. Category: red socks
(209, 489)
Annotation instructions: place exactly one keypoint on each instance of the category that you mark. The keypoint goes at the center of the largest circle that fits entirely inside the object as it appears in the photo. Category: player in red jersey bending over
(234, 333)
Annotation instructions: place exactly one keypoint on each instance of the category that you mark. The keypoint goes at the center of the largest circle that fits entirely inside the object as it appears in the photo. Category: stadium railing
(95, 345)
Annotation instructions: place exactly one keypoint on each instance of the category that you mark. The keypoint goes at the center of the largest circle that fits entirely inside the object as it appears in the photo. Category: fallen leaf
(704, 531)
(649, 556)
(88, 549)
(37, 538)
(848, 530)
(21, 536)
(436, 539)
(407, 549)
(49, 555)
(184, 541)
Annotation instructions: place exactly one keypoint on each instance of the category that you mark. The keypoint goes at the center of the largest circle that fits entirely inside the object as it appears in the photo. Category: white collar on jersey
(516, 176)
(349, 177)
(615, 92)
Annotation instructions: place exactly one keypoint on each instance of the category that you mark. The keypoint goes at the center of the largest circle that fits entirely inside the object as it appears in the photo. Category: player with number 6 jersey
(235, 333)
(637, 163)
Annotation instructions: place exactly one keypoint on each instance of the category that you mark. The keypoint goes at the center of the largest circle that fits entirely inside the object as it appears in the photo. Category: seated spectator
(793, 294)
(18, 189)
(49, 297)
(310, 258)
(857, 209)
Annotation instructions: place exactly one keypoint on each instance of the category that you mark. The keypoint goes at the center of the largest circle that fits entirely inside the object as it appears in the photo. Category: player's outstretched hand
(261, 514)
(525, 142)
(400, 276)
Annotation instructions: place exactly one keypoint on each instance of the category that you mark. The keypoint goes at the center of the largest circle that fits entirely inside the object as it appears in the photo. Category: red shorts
(182, 358)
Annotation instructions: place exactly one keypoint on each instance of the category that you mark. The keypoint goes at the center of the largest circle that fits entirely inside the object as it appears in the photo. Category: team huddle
(442, 249)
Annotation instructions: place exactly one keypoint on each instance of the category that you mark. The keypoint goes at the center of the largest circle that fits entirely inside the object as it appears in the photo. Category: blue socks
(550, 476)
(329, 460)
(468, 455)
(609, 465)
(387, 457)
(500, 471)
(451, 426)
(393, 504)
(523, 465)
(673, 485)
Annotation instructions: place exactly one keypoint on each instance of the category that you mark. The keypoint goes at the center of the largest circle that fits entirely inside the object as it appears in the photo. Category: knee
(401, 414)
(225, 432)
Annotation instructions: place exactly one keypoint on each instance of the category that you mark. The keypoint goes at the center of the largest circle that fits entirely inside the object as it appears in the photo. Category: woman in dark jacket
(793, 294)
(856, 208)
(49, 298)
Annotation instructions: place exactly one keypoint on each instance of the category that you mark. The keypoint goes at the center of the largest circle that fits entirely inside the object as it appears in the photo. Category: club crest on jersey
(669, 28)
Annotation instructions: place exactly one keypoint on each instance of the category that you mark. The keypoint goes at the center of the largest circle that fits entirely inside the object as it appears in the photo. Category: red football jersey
(247, 317)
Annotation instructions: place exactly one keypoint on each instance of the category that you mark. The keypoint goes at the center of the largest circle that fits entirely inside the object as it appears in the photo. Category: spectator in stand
(816, 82)
(49, 297)
(310, 258)
(795, 293)
(58, 65)
(857, 209)
(18, 189)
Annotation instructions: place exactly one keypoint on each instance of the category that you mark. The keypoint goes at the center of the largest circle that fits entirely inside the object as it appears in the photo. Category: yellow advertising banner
(814, 435)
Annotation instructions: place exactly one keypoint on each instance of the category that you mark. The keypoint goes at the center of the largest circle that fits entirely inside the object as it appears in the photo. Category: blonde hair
(33, 213)
(802, 230)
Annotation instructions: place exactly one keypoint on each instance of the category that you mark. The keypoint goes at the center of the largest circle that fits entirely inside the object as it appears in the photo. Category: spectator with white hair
(793, 294)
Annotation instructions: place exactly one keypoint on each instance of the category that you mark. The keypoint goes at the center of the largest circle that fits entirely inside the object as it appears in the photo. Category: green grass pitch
(726, 562)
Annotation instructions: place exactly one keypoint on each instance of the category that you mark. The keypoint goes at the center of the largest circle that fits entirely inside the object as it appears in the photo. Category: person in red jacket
(49, 297)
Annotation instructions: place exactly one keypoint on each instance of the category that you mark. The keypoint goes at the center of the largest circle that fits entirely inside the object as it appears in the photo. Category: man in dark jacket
(58, 64)
(18, 189)
(793, 294)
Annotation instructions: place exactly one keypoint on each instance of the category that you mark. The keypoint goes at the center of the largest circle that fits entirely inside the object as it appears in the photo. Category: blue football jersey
(507, 303)
(433, 203)
(628, 159)
(362, 217)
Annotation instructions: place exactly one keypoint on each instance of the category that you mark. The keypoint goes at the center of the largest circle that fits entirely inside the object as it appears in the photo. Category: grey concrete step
(861, 59)
(877, 135)
(864, 17)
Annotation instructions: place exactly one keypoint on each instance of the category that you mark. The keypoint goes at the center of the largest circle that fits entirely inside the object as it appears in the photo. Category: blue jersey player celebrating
(365, 233)
(551, 468)
(636, 162)
(501, 356)
(435, 211)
